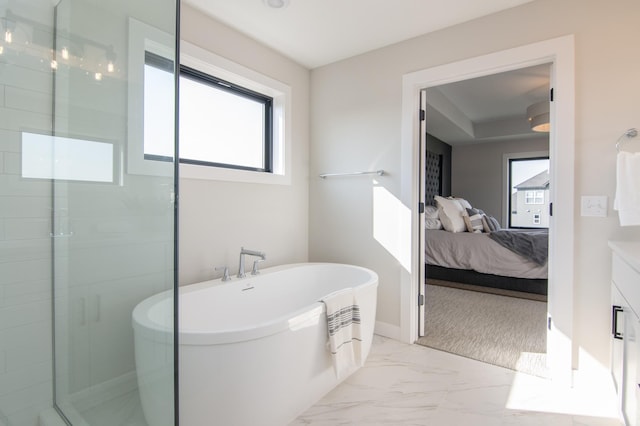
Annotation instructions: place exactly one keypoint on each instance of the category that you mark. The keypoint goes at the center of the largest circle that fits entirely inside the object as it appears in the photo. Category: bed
(464, 245)
(475, 258)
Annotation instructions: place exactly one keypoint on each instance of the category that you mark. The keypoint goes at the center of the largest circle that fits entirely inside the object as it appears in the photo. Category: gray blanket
(530, 245)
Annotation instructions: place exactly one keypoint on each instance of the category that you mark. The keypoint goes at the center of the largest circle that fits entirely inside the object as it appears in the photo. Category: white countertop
(629, 251)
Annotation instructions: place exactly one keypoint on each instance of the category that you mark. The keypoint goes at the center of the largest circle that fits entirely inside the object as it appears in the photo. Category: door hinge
(420, 207)
(423, 115)
(550, 209)
(421, 300)
(549, 323)
(551, 95)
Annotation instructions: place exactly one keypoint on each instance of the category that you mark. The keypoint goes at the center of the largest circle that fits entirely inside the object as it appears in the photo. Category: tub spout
(243, 252)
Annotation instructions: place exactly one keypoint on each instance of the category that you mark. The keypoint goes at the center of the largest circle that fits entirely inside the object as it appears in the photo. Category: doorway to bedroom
(486, 184)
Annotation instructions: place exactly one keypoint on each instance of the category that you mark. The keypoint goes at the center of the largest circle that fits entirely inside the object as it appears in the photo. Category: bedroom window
(528, 195)
(222, 124)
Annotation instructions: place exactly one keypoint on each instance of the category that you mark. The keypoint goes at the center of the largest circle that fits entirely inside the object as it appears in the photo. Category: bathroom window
(222, 124)
(260, 153)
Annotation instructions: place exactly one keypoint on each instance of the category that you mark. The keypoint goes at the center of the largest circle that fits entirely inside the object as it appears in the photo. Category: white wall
(217, 218)
(476, 171)
(356, 124)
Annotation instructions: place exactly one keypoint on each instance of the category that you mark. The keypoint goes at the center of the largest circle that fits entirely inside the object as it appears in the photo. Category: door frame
(559, 52)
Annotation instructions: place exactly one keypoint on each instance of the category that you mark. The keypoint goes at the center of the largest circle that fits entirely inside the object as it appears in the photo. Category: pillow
(494, 223)
(473, 220)
(485, 224)
(430, 212)
(464, 203)
(490, 224)
(432, 223)
(450, 214)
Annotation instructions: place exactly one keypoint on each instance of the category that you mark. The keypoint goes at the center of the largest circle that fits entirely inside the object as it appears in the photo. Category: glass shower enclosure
(113, 239)
(102, 219)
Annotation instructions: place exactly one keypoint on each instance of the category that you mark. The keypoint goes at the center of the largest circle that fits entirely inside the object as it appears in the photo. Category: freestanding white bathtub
(253, 351)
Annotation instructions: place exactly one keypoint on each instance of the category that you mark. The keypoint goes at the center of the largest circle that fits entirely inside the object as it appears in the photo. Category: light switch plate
(594, 206)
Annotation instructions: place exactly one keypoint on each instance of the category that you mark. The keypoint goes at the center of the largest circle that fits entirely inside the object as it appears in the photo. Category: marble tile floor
(410, 385)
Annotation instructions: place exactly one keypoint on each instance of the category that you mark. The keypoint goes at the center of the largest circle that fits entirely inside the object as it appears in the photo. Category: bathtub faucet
(243, 252)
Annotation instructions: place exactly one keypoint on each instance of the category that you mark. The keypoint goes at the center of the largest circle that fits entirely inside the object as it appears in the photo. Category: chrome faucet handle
(255, 271)
(225, 273)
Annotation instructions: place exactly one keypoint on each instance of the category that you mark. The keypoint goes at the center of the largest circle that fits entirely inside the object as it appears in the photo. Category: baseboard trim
(385, 329)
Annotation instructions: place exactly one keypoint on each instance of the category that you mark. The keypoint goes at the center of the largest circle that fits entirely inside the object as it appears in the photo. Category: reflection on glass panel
(56, 157)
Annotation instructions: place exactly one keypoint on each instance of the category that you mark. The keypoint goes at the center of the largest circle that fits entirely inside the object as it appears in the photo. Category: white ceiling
(318, 32)
(487, 109)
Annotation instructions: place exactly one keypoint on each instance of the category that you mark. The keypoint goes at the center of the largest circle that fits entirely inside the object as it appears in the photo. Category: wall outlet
(594, 206)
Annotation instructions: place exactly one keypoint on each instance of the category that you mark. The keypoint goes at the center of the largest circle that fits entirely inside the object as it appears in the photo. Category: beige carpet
(500, 330)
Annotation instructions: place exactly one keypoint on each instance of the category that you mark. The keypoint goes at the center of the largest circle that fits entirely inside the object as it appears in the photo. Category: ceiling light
(276, 4)
(538, 116)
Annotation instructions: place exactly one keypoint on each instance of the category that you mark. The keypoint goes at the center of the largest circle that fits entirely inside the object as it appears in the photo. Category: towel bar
(376, 172)
(629, 134)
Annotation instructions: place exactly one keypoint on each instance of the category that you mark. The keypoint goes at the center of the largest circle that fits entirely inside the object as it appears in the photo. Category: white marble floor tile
(412, 385)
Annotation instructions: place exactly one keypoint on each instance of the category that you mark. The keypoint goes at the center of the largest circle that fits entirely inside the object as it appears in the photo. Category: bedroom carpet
(499, 330)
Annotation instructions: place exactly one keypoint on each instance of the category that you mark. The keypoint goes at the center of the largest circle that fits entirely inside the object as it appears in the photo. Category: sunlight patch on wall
(392, 225)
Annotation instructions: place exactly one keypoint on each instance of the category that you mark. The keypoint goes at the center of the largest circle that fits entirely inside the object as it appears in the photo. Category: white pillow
(432, 223)
(464, 203)
(430, 212)
(450, 213)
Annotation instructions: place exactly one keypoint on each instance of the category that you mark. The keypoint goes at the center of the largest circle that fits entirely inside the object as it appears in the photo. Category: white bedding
(478, 252)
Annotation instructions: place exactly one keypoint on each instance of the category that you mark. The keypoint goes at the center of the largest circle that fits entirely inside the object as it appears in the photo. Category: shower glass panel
(113, 238)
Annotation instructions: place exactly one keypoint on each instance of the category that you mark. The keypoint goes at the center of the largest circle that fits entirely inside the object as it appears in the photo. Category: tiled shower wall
(25, 267)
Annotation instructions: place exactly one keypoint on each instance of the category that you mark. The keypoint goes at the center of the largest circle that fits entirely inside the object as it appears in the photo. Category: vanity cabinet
(625, 328)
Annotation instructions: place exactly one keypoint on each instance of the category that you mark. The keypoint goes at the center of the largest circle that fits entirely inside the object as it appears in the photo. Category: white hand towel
(627, 201)
(343, 325)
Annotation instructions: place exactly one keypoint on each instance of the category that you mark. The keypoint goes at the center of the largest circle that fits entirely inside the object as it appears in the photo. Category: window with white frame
(534, 197)
(234, 123)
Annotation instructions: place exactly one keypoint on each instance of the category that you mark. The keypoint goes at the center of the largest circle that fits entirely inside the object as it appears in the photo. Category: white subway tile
(1, 163)
(25, 292)
(25, 378)
(23, 250)
(28, 313)
(18, 76)
(27, 100)
(10, 140)
(24, 271)
(30, 416)
(12, 163)
(15, 402)
(26, 345)
(28, 228)
(32, 207)
(2, 234)
(14, 185)
(16, 120)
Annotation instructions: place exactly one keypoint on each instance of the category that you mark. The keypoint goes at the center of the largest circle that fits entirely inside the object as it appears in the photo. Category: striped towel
(343, 325)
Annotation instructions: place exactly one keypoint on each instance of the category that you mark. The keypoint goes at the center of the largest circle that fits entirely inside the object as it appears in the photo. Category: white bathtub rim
(146, 328)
